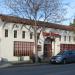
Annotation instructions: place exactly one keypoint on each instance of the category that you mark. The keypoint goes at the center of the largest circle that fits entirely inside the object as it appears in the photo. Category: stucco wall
(6, 43)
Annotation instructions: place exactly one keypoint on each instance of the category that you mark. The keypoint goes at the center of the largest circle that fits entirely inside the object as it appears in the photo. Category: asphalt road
(68, 69)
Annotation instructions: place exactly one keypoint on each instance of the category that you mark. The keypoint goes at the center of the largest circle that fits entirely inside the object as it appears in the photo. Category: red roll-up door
(67, 47)
(23, 48)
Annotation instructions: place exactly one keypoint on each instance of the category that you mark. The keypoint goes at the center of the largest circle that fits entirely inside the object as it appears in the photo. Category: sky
(69, 5)
(70, 11)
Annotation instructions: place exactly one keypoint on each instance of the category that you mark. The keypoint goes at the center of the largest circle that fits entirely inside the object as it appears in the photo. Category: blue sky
(70, 11)
(69, 15)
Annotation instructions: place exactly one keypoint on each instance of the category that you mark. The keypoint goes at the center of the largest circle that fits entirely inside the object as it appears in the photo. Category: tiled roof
(13, 19)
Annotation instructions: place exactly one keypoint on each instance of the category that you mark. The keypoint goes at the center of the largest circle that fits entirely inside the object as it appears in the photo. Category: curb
(25, 65)
(5, 65)
(20, 64)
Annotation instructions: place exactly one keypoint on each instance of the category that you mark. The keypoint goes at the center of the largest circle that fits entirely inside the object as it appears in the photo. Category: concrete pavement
(19, 64)
(5, 64)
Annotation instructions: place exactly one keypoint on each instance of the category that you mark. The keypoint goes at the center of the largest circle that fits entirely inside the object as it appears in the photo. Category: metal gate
(47, 50)
(67, 47)
(23, 48)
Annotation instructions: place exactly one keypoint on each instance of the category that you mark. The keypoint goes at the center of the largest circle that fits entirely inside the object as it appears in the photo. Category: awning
(51, 34)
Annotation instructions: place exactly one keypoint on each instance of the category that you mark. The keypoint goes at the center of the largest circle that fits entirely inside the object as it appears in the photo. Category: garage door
(23, 48)
(67, 47)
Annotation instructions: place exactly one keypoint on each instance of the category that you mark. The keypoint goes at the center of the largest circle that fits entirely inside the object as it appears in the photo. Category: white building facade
(17, 38)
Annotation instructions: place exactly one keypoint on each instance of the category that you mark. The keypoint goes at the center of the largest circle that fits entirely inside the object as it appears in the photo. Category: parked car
(63, 57)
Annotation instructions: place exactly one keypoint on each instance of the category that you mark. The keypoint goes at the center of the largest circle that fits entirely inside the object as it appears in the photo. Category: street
(68, 69)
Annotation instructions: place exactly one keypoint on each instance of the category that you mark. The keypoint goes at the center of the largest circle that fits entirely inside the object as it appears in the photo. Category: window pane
(6, 32)
(60, 38)
(23, 34)
(64, 38)
(15, 33)
(31, 35)
(74, 38)
(69, 38)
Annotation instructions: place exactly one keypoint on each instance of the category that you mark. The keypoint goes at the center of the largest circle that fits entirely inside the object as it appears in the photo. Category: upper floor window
(74, 38)
(23, 34)
(6, 32)
(69, 38)
(64, 38)
(15, 33)
(31, 35)
(60, 38)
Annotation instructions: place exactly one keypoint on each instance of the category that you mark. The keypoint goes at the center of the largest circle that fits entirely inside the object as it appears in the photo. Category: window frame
(64, 38)
(15, 33)
(69, 38)
(6, 32)
(31, 35)
(23, 34)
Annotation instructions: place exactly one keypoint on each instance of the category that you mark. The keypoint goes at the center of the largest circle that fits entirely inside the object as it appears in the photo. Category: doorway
(47, 47)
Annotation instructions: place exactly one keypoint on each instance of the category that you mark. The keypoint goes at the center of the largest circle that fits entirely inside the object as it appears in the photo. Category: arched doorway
(48, 47)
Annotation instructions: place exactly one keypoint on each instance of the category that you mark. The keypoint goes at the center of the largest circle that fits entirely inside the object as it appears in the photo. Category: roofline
(13, 19)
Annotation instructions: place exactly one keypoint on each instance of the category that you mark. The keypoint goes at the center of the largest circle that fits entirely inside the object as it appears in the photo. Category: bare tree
(46, 10)
(43, 10)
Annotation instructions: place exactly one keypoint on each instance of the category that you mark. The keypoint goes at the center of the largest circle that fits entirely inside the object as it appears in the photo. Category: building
(17, 38)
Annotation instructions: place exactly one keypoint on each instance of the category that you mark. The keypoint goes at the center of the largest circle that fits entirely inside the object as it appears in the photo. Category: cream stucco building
(17, 38)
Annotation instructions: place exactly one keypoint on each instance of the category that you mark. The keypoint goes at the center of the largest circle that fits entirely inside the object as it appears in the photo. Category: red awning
(50, 34)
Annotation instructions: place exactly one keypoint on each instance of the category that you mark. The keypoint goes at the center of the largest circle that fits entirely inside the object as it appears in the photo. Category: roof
(13, 19)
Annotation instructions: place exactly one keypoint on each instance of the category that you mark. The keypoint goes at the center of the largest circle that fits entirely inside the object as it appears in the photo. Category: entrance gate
(47, 47)
(47, 50)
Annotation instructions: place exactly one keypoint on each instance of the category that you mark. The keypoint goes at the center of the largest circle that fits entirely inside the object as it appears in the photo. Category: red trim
(50, 34)
(67, 47)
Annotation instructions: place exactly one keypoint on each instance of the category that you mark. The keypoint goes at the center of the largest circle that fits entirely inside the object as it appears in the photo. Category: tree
(72, 24)
(45, 10)
(37, 10)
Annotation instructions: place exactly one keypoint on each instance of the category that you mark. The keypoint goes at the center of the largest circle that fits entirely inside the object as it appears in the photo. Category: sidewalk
(20, 64)
(5, 64)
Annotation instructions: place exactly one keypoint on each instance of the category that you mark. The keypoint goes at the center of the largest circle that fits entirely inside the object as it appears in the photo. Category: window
(39, 47)
(64, 38)
(6, 32)
(74, 38)
(15, 33)
(60, 38)
(69, 38)
(23, 34)
(31, 35)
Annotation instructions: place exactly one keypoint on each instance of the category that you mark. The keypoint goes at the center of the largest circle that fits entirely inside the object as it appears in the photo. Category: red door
(23, 48)
(47, 50)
